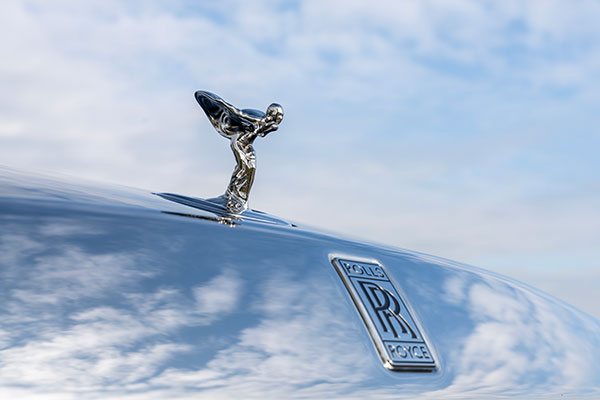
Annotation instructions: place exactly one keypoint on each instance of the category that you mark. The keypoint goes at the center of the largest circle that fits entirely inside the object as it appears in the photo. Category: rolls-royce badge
(393, 330)
(241, 127)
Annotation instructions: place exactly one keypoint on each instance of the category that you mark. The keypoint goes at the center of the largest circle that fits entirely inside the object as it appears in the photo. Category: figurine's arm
(266, 129)
(270, 122)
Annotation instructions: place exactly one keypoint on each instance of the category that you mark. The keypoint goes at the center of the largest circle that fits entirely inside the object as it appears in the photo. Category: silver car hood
(116, 293)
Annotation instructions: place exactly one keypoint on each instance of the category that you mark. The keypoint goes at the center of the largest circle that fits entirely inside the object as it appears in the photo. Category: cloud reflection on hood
(56, 337)
(85, 316)
(522, 343)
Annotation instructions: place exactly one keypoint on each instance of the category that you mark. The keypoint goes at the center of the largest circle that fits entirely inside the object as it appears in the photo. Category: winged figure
(241, 127)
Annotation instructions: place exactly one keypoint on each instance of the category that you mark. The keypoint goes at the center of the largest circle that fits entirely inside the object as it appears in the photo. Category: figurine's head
(274, 113)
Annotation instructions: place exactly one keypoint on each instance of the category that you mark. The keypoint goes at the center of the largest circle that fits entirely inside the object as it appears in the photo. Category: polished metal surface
(241, 127)
(394, 331)
(223, 215)
(112, 293)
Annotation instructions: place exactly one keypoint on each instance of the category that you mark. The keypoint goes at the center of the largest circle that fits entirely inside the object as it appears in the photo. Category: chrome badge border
(416, 348)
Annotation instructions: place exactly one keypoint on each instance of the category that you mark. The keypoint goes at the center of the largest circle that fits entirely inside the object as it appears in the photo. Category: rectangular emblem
(393, 330)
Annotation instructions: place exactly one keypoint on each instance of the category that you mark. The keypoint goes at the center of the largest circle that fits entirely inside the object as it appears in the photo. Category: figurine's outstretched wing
(227, 119)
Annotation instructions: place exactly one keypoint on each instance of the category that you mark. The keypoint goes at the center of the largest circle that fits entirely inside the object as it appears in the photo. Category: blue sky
(463, 129)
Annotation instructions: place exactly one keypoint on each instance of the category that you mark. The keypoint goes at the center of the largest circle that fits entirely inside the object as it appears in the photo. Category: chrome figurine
(241, 127)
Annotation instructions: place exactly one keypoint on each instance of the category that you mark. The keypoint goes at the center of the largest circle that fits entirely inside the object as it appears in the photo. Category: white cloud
(108, 348)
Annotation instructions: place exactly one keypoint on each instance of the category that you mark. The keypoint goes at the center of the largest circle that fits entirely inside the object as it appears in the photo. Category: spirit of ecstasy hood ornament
(241, 127)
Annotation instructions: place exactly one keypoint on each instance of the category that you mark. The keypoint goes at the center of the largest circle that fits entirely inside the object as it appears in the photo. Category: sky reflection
(156, 306)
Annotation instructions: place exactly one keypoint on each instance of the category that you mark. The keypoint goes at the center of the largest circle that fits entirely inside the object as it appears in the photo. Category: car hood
(111, 292)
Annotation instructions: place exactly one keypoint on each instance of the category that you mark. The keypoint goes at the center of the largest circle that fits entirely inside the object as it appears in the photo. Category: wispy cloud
(79, 349)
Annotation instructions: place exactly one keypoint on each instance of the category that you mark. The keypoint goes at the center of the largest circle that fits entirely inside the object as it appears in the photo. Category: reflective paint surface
(119, 294)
